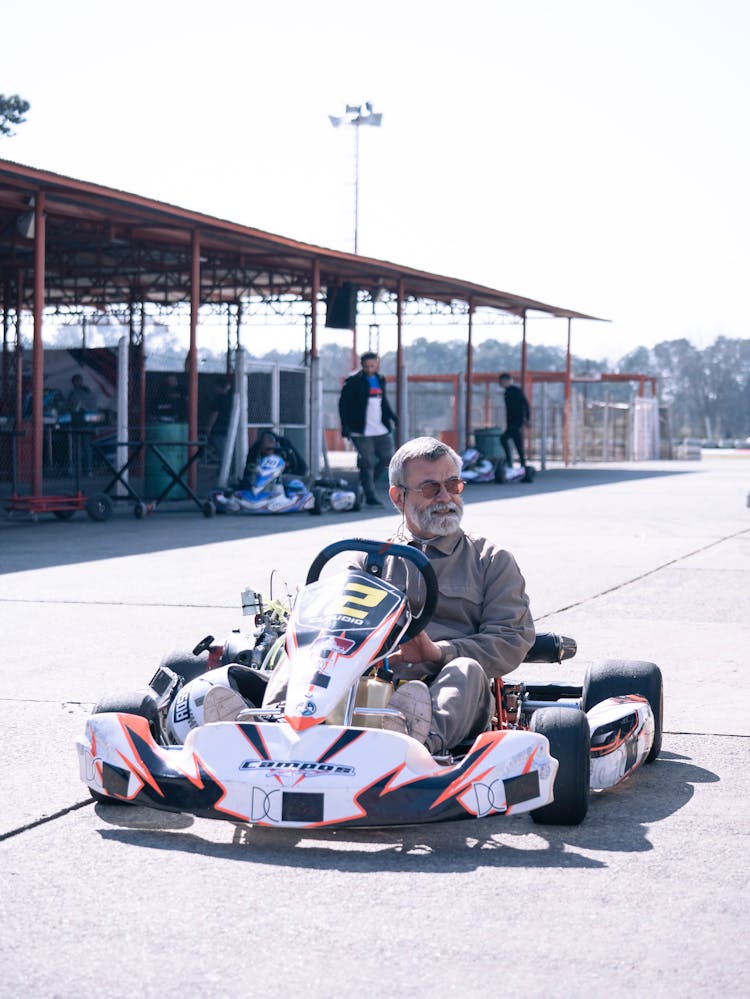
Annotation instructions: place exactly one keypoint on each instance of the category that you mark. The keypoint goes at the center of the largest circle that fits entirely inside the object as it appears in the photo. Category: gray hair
(428, 448)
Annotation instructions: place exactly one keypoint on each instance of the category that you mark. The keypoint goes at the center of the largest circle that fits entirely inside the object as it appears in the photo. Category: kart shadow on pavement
(617, 821)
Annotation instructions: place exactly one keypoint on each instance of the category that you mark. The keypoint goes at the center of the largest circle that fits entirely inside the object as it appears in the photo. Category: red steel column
(399, 362)
(315, 419)
(314, 292)
(19, 351)
(469, 373)
(37, 422)
(566, 411)
(195, 301)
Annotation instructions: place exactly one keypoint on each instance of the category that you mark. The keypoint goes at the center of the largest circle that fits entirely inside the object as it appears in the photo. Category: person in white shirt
(366, 419)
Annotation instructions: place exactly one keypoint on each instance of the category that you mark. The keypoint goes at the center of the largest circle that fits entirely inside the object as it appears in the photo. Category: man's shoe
(413, 700)
(374, 502)
(222, 704)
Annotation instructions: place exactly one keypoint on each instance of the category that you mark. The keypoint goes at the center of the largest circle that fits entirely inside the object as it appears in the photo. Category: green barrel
(171, 439)
(487, 441)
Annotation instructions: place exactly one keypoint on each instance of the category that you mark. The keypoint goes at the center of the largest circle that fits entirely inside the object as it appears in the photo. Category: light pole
(357, 115)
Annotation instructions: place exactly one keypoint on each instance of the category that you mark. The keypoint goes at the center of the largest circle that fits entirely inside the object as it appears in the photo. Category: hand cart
(63, 505)
(143, 506)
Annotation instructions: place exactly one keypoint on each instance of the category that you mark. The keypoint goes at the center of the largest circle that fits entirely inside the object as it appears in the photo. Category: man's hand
(421, 649)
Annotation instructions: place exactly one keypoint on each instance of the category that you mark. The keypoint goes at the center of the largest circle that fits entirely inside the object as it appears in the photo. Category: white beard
(438, 520)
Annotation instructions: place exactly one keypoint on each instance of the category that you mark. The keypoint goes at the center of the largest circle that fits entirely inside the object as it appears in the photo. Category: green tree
(12, 111)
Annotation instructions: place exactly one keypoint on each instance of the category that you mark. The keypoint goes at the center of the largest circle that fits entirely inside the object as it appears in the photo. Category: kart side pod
(622, 733)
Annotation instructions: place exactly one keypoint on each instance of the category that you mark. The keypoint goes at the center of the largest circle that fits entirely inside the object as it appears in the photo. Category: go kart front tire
(136, 702)
(619, 677)
(567, 730)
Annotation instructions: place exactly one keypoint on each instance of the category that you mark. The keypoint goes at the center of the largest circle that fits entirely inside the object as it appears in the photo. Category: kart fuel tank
(371, 693)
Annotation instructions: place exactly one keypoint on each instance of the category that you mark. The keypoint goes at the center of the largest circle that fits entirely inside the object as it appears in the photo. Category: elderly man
(482, 626)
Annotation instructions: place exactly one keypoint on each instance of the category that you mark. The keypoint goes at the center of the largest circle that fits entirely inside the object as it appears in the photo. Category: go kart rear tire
(136, 702)
(185, 664)
(616, 677)
(567, 730)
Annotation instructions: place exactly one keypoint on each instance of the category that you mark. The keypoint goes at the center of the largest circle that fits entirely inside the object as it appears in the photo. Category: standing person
(517, 417)
(366, 419)
(82, 400)
(170, 402)
(217, 425)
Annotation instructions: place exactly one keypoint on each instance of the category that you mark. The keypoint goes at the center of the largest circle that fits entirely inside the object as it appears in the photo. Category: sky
(590, 154)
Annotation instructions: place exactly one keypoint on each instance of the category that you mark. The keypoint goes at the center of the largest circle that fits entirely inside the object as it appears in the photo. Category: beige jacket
(482, 610)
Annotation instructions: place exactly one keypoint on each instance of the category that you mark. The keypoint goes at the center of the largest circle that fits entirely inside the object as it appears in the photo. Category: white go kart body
(323, 759)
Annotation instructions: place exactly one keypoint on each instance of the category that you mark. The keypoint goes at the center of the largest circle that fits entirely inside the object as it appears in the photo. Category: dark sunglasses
(432, 489)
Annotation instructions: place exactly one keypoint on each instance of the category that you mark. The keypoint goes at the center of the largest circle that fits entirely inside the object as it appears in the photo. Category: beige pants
(461, 697)
(461, 704)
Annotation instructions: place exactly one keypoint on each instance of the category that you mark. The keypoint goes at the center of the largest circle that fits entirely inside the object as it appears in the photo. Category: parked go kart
(322, 759)
(270, 490)
(475, 467)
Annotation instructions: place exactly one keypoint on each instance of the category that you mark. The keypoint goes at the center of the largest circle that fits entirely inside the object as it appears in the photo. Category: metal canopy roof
(106, 247)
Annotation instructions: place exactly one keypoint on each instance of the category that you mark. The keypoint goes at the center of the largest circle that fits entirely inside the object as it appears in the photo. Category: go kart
(321, 758)
(475, 467)
(269, 490)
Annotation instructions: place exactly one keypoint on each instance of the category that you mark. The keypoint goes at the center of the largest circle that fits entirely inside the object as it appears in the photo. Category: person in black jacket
(517, 416)
(366, 419)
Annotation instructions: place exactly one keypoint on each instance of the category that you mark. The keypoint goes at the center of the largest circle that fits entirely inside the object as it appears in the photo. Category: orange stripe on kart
(485, 744)
(300, 724)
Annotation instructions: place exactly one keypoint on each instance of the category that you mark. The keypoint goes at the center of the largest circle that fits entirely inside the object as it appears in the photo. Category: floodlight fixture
(357, 115)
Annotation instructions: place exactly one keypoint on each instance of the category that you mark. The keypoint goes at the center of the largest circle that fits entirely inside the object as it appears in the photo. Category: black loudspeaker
(341, 307)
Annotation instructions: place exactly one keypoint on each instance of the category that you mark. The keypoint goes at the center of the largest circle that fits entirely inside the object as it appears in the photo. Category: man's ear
(397, 497)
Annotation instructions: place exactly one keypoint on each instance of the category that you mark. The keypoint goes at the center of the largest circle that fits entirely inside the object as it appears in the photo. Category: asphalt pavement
(647, 561)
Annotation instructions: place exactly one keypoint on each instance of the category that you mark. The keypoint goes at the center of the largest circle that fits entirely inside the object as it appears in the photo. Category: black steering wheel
(377, 552)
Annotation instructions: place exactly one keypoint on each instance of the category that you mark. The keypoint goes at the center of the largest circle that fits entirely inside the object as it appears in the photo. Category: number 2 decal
(366, 597)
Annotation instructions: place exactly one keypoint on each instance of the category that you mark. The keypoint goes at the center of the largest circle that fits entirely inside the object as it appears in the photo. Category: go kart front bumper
(268, 774)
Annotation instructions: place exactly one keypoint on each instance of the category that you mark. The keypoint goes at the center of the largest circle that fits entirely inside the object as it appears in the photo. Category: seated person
(269, 442)
(481, 628)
